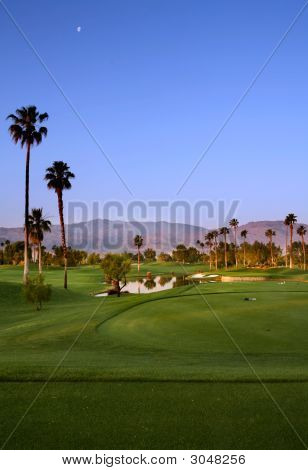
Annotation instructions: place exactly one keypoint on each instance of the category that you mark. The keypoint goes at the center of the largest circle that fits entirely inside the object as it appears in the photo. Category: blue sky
(155, 80)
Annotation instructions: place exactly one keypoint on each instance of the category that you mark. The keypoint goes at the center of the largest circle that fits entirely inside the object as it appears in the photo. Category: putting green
(210, 330)
(190, 323)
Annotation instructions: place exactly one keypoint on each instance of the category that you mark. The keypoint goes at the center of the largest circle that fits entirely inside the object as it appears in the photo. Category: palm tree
(225, 231)
(270, 234)
(37, 226)
(244, 234)
(209, 242)
(291, 219)
(234, 224)
(58, 178)
(215, 235)
(286, 223)
(25, 129)
(201, 244)
(138, 242)
(301, 231)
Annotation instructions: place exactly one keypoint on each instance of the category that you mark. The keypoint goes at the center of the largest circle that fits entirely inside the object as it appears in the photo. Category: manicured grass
(155, 370)
(295, 274)
(153, 416)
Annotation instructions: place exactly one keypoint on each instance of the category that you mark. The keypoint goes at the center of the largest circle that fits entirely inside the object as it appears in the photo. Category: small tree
(93, 258)
(164, 257)
(115, 268)
(150, 254)
(180, 253)
(36, 291)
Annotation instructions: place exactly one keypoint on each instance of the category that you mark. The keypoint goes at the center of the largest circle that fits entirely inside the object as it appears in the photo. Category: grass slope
(171, 376)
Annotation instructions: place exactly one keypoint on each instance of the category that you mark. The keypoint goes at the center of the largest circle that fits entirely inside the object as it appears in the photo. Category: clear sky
(155, 80)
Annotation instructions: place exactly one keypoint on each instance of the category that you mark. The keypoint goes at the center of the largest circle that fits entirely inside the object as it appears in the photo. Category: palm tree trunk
(40, 257)
(272, 258)
(210, 258)
(138, 259)
(226, 260)
(304, 251)
(216, 259)
(287, 230)
(26, 234)
(244, 253)
(235, 247)
(291, 247)
(60, 207)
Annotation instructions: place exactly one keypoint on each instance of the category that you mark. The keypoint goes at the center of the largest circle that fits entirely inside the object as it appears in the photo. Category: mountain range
(103, 235)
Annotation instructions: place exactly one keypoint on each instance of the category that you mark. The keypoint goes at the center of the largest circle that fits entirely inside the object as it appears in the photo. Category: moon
(78, 29)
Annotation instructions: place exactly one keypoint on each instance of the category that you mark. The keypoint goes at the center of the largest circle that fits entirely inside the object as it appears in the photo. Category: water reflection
(145, 286)
(157, 284)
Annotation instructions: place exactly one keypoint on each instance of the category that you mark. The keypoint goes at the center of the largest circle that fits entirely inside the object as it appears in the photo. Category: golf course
(197, 366)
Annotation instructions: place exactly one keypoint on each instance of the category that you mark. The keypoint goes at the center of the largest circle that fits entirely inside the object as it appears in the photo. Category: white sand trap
(203, 276)
(104, 294)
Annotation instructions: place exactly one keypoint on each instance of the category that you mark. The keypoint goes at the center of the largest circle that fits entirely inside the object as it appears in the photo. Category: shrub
(36, 291)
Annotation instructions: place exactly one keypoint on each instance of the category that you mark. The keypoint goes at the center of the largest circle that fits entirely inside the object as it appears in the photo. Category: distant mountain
(105, 235)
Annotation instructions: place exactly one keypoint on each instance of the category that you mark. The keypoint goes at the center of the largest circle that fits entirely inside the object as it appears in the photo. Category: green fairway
(144, 415)
(157, 370)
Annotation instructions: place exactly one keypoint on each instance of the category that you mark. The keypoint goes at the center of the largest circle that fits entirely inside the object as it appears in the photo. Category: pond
(159, 283)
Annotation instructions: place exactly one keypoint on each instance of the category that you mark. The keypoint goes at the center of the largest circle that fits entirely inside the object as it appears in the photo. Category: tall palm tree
(234, 223)
(215, 235)
(244, 234)
(58, 178)
(38, 225)
(301, 231)
(138, 242)
(291, 219)
(225, 231)
(209, 243)
(286, 223)
(270, 234)
(26, 130)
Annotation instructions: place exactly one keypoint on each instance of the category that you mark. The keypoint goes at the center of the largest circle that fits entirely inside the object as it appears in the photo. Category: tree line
(222, 253)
